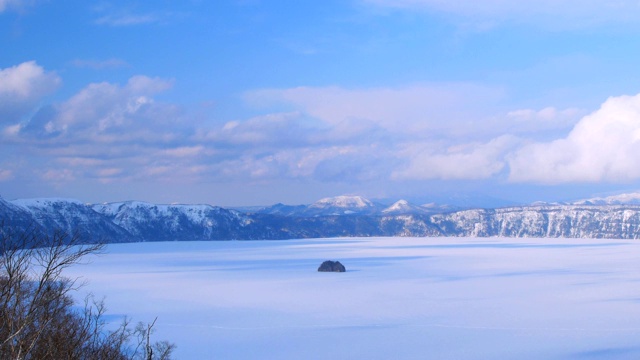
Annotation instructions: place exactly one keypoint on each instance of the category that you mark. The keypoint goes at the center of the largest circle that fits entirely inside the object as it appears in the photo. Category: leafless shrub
(38, 317)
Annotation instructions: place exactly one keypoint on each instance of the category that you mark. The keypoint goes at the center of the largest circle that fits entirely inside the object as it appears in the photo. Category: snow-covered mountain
(343, 202)
(404, 207)
(343, 205)
(153, 222)
(341, 216)
(18, 219)
(350, 205)
(279, 209)
(330, 206)
(71, 217)
(621, 199)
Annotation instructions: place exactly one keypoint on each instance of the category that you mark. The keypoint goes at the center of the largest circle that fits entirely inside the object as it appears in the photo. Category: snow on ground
(401, 298)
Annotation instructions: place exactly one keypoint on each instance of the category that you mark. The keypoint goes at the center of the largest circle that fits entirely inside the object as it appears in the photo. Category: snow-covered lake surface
(401, 298)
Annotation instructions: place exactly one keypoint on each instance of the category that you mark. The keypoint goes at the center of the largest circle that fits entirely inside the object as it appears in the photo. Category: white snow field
(401, 298)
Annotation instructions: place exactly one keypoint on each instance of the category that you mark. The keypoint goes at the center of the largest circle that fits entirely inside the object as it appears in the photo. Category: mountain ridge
(132, 221)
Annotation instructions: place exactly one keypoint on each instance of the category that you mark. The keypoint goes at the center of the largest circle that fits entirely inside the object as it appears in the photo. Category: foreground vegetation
(39, 318)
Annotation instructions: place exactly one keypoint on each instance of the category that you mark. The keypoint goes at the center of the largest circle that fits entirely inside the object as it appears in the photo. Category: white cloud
(5, 174)
(549, 118)
(555, 13)
(270, 129)
(186, 151)
(12, 131)
(429, 107)
(603, 146)
(127, 19)
(435, 131)
(106, 132)
(333, 163)
(78, 161)
(103, 127)
(119, 132)
(291, 145)
(22, 87)
(7, 4)
(58, 175)
(466, 161)
(100, 64)
(109, 172)
(101, 110)
(304, 163)
(546, 114)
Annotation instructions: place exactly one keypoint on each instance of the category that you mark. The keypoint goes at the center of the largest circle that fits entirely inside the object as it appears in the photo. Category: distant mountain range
(614, 217)
(349, 205)
(622, 199)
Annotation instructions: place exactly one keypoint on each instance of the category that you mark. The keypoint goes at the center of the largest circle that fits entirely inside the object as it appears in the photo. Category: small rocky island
(331, 266)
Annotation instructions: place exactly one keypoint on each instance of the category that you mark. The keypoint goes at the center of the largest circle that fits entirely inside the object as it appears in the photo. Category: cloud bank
(403, 109)
(118, 133)
(603, 146)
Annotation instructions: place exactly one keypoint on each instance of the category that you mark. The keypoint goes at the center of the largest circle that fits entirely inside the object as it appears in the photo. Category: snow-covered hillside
(175, 222)
(342, 216)
(71, 217)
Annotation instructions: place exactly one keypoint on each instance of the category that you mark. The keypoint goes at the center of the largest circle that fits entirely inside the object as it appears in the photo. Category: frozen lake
(401, 298)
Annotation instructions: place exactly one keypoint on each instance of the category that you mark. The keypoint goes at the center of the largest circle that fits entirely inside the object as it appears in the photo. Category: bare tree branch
(37, 315)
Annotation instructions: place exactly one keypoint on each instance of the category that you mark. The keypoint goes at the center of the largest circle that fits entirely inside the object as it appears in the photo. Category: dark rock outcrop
(331, 266)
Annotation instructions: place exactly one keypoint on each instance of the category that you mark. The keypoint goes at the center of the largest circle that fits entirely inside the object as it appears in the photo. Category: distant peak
(398, 205)
(402, 206)
(344, 201)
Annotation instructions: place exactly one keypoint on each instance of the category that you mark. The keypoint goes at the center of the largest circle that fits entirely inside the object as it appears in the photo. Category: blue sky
(250, 102)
